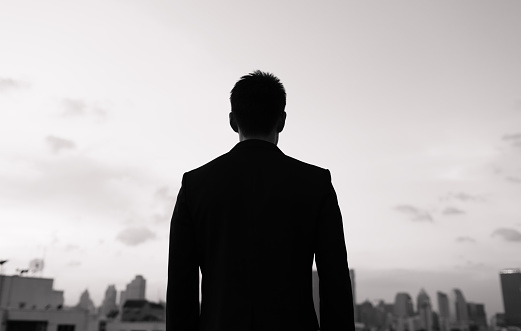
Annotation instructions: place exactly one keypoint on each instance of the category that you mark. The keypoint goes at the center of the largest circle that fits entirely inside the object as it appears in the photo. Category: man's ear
(233, 122)
(281, 122)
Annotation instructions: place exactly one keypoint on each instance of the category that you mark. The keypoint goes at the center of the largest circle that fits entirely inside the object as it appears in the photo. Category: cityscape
(30, 303)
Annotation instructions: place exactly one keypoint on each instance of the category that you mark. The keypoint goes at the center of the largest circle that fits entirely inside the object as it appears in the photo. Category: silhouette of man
(252, 220)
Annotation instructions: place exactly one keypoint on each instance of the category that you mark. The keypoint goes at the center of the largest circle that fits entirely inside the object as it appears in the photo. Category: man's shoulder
(307, 167)
(230, 160)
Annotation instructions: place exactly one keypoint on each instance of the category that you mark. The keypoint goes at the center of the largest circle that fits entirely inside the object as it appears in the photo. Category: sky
(414, 107)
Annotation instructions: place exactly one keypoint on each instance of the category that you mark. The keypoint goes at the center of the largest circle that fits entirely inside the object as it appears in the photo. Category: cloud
(513, 179)
(513, 139)
(9, 83)
(416, 214)
(452, 211)
(463, 197)
(57, 144)
(508, 234)
(464, 239)
(135, 236)
(510, 137)
(78, 108)
(74, 107)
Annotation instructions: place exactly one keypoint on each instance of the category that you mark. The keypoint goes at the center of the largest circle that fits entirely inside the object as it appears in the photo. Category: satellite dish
(36, 265)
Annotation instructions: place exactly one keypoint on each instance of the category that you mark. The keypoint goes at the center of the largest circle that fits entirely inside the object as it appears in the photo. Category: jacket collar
(255, 144)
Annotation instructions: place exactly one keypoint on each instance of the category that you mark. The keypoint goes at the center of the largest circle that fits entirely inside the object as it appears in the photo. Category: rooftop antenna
(22, 271)
(2, 266)
(36, 266)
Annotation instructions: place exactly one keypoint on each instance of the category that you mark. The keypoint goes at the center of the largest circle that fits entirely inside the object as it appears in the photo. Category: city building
(109, 308)
(443, 312)
(31, 304)
(511, 290)
(142, 311)
(403, 305)
(435, 321)
(497, 322)
(404, 313)
(367, 315)
(135, 290)
(477, 316)
(458, 314)
(86, 303)
(131, 326)
(424, 309)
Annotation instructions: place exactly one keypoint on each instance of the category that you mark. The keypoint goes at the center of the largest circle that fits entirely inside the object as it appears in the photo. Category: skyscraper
(135, 290)
(403, 305)
(477, 315)
(86, 302)
(424, 309)
(511, 289)
(458, 314)
(443, 310)
(108, 305)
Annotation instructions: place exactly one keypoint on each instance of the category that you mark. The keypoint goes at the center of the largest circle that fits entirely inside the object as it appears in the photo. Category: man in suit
(252, 220)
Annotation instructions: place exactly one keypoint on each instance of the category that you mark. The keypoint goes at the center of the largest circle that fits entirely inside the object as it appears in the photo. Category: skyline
(414, 107)
(139, 291)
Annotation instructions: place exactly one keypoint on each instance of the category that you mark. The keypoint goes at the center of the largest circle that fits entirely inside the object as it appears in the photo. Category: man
(252, 220)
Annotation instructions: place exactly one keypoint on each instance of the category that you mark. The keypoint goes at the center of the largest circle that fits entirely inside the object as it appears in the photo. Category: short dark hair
(257, 100)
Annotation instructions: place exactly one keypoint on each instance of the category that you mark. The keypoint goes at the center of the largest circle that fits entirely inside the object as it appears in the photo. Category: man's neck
(271, 138)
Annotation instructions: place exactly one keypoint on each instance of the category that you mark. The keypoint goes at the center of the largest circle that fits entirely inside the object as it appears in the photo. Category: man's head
(258, 101)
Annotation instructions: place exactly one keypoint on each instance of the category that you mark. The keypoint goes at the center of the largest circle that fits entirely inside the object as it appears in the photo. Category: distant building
(477, 316)
(86, 302)
(403, 305)
(142, 311)
(131, 326)
(367, 314)
(443, 311)
(31, 304)
(109, 307)
(497, 321)
(458, 314)
(384, 315)
(404, 313)
(424, 309)
(511, 290)
(135, 290)
(435, 321)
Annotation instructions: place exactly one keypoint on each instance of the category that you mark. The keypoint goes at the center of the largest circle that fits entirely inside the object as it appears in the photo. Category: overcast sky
(415, 107)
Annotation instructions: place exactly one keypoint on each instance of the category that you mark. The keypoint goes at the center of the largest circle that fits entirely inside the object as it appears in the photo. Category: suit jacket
(252, 220)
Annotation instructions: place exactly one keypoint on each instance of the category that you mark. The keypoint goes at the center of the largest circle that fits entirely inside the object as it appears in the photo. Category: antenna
(22, 271)
(2, 266)
(36, 266)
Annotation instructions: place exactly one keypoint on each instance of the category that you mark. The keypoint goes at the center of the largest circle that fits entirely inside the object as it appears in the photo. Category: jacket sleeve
(182, 296)
(336, 297)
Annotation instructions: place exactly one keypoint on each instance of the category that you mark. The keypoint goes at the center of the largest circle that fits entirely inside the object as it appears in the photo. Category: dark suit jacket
(252, 220)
